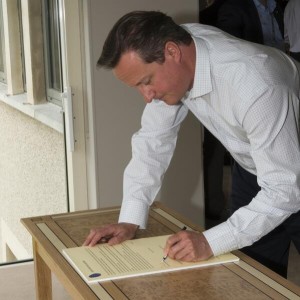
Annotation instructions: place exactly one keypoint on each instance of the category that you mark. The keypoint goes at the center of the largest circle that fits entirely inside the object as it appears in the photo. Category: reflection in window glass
(1, 53)
(22, 44)
(53, 50)
(2, 64)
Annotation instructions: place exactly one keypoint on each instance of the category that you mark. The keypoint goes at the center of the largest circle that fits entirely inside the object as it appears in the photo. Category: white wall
(117, 111)
(32, 177)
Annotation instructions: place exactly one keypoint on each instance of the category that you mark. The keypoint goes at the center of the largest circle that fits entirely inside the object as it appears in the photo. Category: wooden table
(245, 279)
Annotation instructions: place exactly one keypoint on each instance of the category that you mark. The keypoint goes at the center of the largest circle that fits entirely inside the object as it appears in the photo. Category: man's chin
(169, 101)
(172, 101)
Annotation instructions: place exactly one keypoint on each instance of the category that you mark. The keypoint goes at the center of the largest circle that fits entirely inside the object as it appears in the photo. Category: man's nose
(147, 92)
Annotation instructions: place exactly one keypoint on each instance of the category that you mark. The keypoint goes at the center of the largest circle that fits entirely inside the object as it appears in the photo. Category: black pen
(166, 256)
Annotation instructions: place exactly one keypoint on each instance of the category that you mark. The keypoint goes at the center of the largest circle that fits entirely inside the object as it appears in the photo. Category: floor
(17, 283)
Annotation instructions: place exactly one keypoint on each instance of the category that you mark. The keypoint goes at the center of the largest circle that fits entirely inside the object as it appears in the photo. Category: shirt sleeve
(152, 149)
(272, 126)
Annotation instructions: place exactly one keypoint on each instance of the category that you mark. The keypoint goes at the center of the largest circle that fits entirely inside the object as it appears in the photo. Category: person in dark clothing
(258, 21)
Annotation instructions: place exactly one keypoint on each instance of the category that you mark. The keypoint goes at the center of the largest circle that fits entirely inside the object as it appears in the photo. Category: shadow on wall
(184, 18)
(182, 188)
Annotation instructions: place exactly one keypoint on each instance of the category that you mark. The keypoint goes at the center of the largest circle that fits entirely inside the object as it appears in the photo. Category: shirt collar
(202, 79)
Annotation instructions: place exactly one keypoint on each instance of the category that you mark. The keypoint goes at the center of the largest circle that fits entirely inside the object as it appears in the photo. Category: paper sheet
(131, 258)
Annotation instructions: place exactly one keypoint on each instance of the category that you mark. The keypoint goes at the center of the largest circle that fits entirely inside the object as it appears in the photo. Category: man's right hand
(113, 234)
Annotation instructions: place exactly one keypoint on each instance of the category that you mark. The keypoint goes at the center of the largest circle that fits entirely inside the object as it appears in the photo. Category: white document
(131, 258)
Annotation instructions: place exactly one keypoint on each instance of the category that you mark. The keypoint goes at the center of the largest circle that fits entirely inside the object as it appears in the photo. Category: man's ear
(172, 51)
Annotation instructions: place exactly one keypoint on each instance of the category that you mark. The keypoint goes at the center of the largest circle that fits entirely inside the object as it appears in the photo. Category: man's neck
(189, 57)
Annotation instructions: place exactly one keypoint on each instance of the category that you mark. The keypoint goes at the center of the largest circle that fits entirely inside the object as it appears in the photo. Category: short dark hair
(145, 32)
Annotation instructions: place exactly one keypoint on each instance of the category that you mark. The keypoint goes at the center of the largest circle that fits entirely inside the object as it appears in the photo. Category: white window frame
(74, 76)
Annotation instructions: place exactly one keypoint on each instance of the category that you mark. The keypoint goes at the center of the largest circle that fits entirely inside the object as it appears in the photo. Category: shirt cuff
(220, 239)
(134, 212)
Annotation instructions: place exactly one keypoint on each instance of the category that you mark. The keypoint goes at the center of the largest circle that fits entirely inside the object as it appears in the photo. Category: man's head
(149, 51)
(144, 32)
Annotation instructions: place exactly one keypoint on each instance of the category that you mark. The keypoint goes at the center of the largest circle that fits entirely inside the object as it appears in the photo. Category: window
(52, 50)
(33, 173)
(2, 51)
(22, 43)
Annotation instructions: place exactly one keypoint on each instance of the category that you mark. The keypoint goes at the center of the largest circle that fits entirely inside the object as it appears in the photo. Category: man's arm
(273, 131)
(152, 150)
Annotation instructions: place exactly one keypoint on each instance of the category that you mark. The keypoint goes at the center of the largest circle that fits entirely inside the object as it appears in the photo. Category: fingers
(176, 247)
(188, 246)
(89, 238)
(113, 234)
(96, 234)
(171, 242)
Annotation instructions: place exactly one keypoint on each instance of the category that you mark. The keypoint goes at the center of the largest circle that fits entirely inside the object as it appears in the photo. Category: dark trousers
(272, 250)
(295, 55)
(214, 154)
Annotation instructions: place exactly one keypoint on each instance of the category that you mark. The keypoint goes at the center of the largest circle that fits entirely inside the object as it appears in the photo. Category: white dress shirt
(247, 95)
(292, 25)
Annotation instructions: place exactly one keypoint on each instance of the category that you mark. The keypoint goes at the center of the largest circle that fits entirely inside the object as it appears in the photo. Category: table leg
(42, 273)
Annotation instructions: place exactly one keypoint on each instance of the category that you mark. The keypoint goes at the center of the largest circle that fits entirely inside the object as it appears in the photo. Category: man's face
(167, 82)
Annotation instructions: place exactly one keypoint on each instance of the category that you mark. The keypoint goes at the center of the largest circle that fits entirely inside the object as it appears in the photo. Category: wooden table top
(246, 279)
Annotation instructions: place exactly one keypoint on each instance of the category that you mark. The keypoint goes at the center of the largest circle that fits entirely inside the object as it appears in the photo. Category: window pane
(22, 44)
(1, 52)
(52, 49)
(1, 56)
(54, 35)
(2, 65)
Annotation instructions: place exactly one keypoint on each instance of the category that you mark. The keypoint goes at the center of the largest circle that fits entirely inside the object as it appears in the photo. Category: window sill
(49, 114)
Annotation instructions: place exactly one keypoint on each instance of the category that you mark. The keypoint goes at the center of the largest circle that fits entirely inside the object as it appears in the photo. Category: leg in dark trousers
(295, 55)
(272, 250)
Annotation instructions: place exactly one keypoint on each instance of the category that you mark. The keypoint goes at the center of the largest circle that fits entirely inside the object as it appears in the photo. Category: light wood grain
(42, 276)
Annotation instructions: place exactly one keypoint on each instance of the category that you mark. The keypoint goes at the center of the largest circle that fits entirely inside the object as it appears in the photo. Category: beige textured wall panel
(32, 171)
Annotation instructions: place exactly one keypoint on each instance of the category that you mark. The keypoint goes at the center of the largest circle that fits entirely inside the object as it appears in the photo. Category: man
(258, 21)
(292, 28)
(247, 95)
